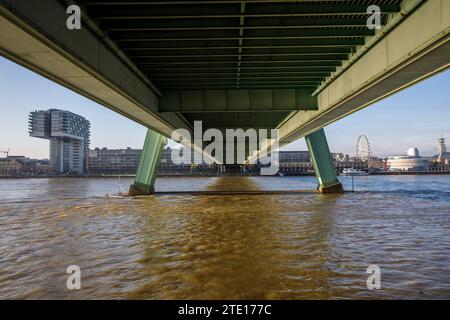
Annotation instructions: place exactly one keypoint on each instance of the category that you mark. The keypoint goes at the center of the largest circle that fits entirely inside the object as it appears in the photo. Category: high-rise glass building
(69, 136)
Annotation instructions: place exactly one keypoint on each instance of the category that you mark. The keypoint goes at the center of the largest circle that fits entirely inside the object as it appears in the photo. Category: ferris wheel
(363, 148)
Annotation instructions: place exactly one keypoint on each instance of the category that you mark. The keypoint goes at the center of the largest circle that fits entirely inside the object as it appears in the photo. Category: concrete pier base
(335, 188)
(138, 191)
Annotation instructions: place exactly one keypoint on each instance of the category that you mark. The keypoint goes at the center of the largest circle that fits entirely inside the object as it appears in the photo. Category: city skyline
(410, 122)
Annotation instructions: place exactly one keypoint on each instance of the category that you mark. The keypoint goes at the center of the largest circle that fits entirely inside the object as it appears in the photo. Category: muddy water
(291, 246)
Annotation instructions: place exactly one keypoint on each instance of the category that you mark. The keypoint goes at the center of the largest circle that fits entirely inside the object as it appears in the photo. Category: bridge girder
(127, 53)
(237, 100)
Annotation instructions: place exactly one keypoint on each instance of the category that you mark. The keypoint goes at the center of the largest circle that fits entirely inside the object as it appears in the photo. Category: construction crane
(7, 152)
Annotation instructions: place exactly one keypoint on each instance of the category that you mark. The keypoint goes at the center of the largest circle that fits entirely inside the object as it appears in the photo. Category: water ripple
(294, 246)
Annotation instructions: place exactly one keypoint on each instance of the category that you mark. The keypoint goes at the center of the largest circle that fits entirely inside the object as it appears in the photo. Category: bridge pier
(144, 183)
(323, 163)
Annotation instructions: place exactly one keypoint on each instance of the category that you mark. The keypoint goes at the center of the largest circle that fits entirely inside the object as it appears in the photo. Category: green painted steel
(322, 160)
(252, 100)
(149, 162)
(230, 45)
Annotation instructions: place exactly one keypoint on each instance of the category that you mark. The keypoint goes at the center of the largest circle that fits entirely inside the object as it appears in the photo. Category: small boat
(353, 172)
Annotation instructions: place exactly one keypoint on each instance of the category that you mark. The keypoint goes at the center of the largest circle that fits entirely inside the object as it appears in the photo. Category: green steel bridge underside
(292, 65)
(236, 64)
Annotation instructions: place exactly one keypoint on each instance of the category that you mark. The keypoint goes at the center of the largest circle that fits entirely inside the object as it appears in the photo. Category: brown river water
(190, 246)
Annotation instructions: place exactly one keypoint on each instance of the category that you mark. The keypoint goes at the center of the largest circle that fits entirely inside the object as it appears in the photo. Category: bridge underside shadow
(295, 66)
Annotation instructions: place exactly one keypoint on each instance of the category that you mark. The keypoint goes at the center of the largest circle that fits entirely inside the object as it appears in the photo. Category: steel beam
(417, 48)
(144, 182)
(252, 100)
(252, 41)
(119, 27)
(323, 62)
(300, 68)
(194, 86)
(194, 2)
(216, 12)
(323, 163)
(269, 31)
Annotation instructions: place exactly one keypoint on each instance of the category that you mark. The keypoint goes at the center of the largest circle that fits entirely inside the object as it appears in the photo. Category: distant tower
(441, 146)
(69, 136)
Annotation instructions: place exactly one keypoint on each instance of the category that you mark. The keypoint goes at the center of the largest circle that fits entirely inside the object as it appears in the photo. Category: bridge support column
(144, 183)
(323, 163)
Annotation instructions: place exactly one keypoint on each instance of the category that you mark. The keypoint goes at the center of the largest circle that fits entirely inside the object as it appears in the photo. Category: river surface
(184, 246)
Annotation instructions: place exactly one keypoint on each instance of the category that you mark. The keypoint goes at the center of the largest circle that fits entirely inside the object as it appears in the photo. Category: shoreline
(214, 175)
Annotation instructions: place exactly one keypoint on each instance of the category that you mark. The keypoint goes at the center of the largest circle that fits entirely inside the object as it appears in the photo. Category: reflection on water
(291, 246)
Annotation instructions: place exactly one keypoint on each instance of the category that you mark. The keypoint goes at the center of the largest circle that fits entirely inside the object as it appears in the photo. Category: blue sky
(415, 117)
